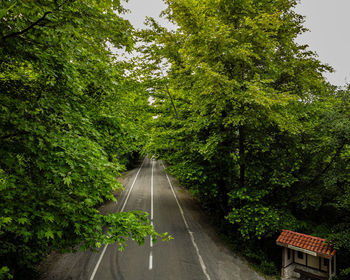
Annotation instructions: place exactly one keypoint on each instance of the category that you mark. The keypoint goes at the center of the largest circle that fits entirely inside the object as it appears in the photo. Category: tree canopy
(70, 122)
(248, 122)
(239, 110)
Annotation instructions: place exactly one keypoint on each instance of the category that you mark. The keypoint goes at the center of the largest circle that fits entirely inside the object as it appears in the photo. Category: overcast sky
(328, 21)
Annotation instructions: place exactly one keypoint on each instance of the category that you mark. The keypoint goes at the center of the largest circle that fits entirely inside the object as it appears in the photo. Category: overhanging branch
(37, 22)
(14, 34)
(172, 101)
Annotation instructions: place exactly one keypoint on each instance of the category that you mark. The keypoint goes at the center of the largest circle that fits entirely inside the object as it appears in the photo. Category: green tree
(68, 127)
(245, 117)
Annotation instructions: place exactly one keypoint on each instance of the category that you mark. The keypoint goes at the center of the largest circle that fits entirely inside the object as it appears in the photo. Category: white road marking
(150, 267)
(106, 245)
(132, 186)
(98, 262)
(152, 192)
(151, 241)
(204, 268)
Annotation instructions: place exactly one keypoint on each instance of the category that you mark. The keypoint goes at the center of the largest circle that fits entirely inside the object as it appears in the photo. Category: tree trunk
(172, 101)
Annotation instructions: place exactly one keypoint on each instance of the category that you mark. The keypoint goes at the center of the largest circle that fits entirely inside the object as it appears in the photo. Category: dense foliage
(247, 122)
(69, 124)
(240, 111)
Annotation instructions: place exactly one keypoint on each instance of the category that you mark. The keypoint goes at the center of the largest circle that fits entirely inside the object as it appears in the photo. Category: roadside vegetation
(70, 121)
(249, 124)
(242, 114)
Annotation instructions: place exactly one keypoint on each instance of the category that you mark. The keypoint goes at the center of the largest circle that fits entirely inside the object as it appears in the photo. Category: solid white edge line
(98, 262)
(132, 186)
(204, 268)
(106, 245)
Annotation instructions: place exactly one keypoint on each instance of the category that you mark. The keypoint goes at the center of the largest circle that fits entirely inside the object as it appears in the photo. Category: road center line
(151, 241)
(106, 245)
(150, 267)
(152, 192)
(204, 268)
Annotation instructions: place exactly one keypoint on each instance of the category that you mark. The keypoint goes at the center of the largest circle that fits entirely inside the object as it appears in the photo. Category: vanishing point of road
(195, 253)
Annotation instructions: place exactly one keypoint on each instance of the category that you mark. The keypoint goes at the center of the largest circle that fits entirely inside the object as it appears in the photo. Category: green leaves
(255, 218)
(246, 120)
(23, 221)
(4, 11)
(49, 234)
(5, 273)
(69, 124)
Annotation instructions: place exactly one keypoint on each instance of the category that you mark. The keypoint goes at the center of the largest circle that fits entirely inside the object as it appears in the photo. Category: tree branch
(26, 29)
(34, 23)
(184, 100)
(172, 101)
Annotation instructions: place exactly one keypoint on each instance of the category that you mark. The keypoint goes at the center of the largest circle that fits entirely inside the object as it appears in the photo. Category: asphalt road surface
(195, 253)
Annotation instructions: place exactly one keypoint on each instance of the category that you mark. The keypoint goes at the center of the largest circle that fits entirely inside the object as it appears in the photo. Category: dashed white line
(204, 268)
(106, 245)
(151, 241)
(150, 267)
(152, 192)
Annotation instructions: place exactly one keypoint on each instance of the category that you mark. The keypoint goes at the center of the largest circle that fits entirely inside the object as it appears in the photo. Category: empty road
(195, 252)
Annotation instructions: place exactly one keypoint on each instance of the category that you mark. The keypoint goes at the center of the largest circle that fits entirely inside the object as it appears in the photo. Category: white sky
(140, 9)
(329, 36)
(328, 21)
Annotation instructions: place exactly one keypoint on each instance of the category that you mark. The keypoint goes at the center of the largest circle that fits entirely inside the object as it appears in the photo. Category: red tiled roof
(306, 242)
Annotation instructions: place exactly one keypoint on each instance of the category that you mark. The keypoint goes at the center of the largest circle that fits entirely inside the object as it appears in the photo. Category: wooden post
(319, 263)
(333, 267)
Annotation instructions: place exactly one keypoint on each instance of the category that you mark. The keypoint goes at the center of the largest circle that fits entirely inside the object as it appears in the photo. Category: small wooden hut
(306, 257)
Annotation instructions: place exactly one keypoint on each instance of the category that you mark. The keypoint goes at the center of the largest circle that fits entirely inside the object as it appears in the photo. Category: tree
(67, 129)
(249, 135)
